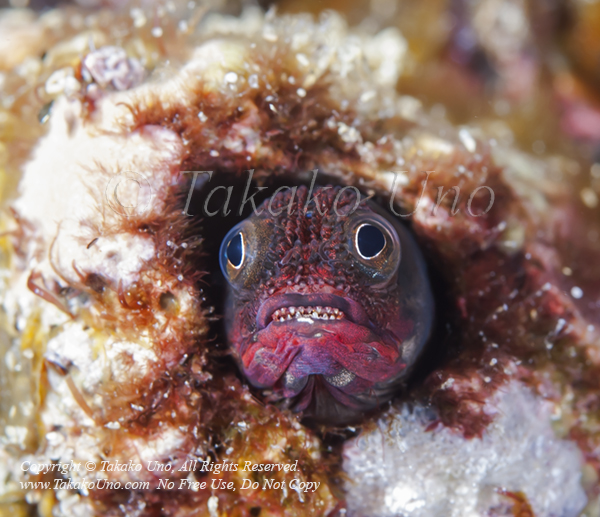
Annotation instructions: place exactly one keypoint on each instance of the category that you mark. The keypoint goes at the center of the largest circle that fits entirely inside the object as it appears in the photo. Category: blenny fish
(329, 303)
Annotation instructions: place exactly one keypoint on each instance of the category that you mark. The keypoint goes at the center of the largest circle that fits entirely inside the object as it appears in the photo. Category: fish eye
(375, 244)
(369, 241)
(242, 252)
(235, 252)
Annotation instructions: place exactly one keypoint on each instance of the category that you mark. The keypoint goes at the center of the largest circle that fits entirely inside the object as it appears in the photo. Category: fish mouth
(318, 346)
(320, 307)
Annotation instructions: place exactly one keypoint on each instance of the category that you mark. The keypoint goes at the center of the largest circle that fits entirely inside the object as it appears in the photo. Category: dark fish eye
(235, 251)
(370, 241)
(242, 252)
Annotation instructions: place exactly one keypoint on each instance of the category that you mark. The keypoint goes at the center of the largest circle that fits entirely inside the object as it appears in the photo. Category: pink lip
(352, 310)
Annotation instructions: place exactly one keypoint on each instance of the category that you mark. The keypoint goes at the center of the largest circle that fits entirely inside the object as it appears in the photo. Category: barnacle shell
(106, 340)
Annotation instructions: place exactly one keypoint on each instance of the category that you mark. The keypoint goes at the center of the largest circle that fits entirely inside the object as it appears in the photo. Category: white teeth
(315, 313)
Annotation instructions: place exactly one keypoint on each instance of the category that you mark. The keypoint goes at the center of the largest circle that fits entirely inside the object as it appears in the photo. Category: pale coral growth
(410, 466)
(111, 66)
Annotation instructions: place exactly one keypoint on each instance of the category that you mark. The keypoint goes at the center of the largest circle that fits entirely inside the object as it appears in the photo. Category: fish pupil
(370, 241)
(235, 251)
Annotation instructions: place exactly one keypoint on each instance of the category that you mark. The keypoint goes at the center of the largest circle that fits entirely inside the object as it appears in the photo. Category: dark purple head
(329, 304)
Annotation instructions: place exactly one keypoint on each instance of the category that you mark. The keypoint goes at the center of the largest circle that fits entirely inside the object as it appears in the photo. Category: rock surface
(409, 466)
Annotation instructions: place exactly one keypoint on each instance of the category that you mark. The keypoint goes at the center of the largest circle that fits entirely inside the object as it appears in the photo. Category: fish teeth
(317, 312)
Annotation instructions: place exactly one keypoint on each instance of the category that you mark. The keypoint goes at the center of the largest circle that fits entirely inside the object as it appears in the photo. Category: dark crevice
(442, 345)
